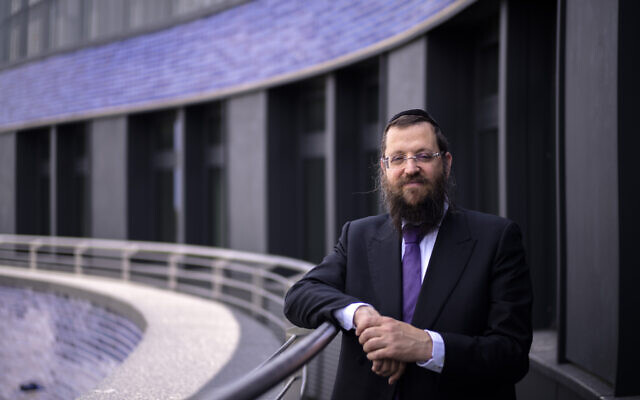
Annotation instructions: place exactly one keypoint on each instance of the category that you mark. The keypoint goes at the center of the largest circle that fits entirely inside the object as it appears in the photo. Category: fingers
(385, 367)
(389, 368)
(383, 327)
(398, 373)
(396, 340)
(389, 343)
(380, 367)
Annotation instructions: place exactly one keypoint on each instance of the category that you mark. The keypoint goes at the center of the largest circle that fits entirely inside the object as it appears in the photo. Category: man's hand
(364, 318)
(391, 368)
(386, 338)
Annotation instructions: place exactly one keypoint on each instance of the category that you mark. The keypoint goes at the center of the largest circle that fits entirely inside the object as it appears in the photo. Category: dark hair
(413, 117)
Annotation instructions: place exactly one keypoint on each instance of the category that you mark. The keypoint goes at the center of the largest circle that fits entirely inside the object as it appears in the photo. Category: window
(29, 28)
(358, 135)
(72, 181)
(205, 175)
(297, 159)
(153, 195)
(33, 182)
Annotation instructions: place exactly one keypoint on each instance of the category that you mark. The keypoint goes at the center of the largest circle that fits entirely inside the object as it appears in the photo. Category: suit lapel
(383, 254)
(449, 258)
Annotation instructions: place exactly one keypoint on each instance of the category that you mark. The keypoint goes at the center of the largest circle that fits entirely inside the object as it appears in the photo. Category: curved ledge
(546, 374)
(186, 341)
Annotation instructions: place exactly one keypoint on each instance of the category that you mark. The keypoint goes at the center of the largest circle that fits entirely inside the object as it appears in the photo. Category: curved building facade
(255, 125)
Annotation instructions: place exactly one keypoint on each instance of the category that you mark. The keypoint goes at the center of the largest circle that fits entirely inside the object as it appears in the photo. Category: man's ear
(448, 159)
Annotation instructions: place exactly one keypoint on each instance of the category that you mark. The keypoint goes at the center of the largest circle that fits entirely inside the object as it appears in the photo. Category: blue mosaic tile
(247, 44)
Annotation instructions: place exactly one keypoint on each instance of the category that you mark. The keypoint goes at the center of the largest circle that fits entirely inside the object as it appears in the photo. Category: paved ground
(186, 340)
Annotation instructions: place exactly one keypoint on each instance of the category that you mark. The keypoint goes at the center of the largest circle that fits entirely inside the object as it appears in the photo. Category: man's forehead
(422, 131)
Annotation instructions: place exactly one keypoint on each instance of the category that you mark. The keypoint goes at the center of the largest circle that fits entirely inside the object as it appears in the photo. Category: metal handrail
(275, 371)
(254, 282)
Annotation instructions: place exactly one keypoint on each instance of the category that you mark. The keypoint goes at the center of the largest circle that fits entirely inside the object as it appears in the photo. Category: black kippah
(415, 111)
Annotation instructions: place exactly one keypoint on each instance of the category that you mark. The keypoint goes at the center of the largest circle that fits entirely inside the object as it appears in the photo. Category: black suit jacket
(476, 294)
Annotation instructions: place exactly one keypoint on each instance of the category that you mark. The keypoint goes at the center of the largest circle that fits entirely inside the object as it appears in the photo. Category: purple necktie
(411, 270)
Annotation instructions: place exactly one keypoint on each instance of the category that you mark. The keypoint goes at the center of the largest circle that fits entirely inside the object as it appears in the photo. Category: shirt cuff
(345, 315)
(436, 362)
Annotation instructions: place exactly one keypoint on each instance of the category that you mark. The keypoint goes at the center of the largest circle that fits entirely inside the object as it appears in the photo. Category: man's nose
(411, 166)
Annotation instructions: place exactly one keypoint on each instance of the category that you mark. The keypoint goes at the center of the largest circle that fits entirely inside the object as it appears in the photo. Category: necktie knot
(412, 233)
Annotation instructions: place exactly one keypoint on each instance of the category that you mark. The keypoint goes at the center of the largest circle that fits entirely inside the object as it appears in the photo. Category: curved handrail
(266, 377)
(254, 282)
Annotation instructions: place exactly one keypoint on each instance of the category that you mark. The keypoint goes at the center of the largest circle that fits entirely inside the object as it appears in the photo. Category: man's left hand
(388, 338)
(389, 368)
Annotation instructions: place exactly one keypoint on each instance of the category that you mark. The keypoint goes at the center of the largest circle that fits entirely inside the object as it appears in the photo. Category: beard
(425, 209)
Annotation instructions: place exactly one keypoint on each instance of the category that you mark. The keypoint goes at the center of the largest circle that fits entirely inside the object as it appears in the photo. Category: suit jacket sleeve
(313, 299)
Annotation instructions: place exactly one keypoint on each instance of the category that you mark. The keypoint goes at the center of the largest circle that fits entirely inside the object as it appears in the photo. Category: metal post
(33, 254)
(256, 298)
(77, 254)
(126, 263)
(173, 271)
(217, 276)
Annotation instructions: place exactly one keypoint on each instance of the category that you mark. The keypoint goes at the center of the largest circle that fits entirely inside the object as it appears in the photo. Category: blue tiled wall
(253, 42)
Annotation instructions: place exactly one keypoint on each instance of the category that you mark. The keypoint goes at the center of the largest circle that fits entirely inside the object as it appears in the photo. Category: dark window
(358, 134)
(296, 170)
(152, 196)
(205, 178)
(33, 180)
(314, 210)
(72, 181)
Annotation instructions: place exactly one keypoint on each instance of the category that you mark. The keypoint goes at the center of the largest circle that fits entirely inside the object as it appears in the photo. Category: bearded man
(434, 300)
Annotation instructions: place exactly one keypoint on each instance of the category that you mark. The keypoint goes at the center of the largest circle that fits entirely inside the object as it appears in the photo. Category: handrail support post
(33, 254)
(77, 258)
(173, 270)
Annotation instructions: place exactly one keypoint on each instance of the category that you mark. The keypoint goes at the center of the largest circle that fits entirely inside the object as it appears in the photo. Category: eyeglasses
(400, 161)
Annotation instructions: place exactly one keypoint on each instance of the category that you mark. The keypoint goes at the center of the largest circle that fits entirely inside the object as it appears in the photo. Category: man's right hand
(363, 318)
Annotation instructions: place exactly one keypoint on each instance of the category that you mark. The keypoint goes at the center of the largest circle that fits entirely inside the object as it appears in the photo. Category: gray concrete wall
(246, 166)
(406, 77)
(8, 182)
(109, 178)
(591, 165)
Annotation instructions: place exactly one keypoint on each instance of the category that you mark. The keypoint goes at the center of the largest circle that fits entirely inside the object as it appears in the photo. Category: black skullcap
(415, 111)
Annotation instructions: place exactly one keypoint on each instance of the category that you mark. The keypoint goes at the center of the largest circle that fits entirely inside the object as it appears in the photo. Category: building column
(246, 169)
(406, 77)
(179, 173)
(8, 151)
(601, 191)
(108, 154)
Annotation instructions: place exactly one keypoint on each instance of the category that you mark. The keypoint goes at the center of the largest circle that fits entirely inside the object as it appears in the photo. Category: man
(434, 300)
